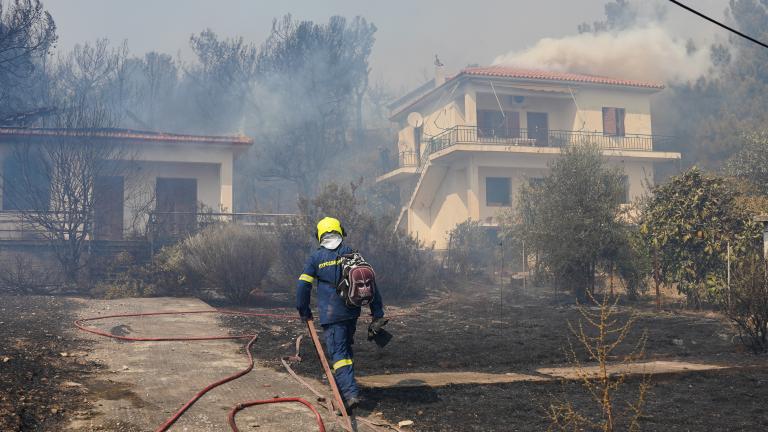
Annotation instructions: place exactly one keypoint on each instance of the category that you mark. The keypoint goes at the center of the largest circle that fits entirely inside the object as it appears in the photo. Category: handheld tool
(328, 373)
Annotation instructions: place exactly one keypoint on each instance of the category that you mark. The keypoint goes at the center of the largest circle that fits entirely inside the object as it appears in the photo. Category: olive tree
(571, 218)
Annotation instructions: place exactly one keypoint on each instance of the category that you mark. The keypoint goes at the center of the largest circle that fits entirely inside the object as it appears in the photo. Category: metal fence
(176, 225)
(24, 224)
(21, 225)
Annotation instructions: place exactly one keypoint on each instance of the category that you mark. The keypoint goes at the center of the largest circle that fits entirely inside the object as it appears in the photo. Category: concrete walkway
(439, 379)
(144, 383)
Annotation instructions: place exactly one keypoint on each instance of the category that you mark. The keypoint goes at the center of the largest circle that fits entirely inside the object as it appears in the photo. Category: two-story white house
(467, 143)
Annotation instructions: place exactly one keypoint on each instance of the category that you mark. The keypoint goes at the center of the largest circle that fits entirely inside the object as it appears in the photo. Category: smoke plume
(644, 53)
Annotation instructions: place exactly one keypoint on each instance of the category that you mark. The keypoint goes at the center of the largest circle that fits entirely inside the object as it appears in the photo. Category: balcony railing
(528, 138)
(408, 159)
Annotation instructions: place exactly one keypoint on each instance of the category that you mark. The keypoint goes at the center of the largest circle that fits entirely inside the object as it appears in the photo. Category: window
(625, 190)
(613, 121)
(25, 187)
(497, 191)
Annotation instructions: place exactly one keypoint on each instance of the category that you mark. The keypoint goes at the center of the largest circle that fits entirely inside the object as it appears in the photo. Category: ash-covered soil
(468, 331)
(41, 365)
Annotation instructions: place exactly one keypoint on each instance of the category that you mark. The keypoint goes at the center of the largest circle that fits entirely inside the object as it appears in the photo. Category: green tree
(751, 162)
(689, 223)
(709, 116)
(571, 219)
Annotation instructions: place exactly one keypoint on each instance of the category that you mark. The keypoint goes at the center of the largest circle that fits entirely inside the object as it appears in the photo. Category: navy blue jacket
(324, 267)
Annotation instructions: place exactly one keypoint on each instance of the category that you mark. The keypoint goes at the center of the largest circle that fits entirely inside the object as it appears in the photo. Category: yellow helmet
(329, 224)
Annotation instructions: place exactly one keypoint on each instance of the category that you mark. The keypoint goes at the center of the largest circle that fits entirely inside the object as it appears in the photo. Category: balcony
(528, 138)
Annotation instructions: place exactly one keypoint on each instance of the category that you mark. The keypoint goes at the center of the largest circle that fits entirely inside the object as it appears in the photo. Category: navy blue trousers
(339, 338)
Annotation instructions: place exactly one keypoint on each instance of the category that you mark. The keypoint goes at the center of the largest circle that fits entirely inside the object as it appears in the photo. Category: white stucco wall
(460, 191)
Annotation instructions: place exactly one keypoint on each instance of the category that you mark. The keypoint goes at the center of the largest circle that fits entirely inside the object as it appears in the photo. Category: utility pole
(728, 272)
(525, 264)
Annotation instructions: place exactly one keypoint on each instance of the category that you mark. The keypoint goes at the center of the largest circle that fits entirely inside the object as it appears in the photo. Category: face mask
(331, 241)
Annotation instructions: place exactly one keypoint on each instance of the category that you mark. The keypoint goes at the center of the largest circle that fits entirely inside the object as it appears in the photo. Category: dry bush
(748, 305)
(165, 275)
(471, 250)
(26, 273)
(232, 260)
(294, 243)
(599, 333)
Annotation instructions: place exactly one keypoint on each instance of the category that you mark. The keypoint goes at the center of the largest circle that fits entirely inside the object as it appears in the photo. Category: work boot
(352, 403)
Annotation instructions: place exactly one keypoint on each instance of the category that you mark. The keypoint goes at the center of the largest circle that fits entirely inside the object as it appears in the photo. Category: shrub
(165, 275)
(230, 259)
(600, 334)
(295, 242)
(25, 273)
(747, 306)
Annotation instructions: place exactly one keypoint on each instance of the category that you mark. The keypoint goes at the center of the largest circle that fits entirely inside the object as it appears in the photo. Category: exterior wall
(222, 157)
(452, 202)
(592, 100)
(450, 206)
(446, 112)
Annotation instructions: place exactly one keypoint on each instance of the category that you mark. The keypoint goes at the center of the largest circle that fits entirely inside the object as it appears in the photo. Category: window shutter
(609, 121)
(513, 124)
(620, 113)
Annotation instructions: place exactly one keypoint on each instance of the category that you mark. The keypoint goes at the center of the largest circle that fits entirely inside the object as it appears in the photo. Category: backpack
(358, 281)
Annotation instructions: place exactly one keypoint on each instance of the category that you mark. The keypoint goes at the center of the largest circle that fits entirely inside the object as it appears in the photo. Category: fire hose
(252, 339)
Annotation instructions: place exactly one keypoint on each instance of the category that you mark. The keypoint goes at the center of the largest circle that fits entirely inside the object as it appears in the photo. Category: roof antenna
(439, 72)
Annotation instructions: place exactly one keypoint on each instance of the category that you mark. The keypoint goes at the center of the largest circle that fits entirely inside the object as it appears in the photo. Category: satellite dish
(415, 119)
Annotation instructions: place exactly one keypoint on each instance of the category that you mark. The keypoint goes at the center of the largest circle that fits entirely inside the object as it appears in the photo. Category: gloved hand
(375, 327)
(307, 317)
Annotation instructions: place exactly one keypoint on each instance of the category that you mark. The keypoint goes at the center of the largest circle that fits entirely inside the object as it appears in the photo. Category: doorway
(538, 128)
(108, 208)
(176, 207)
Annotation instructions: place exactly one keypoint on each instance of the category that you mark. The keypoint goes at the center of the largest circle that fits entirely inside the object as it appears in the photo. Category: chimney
(439, 72)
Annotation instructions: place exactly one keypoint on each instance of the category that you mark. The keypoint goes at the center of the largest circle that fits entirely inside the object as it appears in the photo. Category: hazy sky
(410, 32)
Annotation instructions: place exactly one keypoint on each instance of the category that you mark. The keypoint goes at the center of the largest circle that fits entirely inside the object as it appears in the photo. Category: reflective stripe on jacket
(324, 267)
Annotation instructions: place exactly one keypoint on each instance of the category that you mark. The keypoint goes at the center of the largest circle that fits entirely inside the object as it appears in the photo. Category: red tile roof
(511, 72)
(529, 74)
(123, 134)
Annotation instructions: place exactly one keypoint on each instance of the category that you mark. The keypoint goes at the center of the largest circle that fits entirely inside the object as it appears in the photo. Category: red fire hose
(243, 405)
(168, 423)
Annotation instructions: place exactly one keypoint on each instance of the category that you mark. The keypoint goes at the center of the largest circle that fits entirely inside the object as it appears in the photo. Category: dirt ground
(469, 331)
(40, 366)
(461, 331)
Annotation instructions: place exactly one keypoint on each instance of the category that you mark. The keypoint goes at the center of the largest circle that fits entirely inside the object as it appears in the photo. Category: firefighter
(336, 318)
